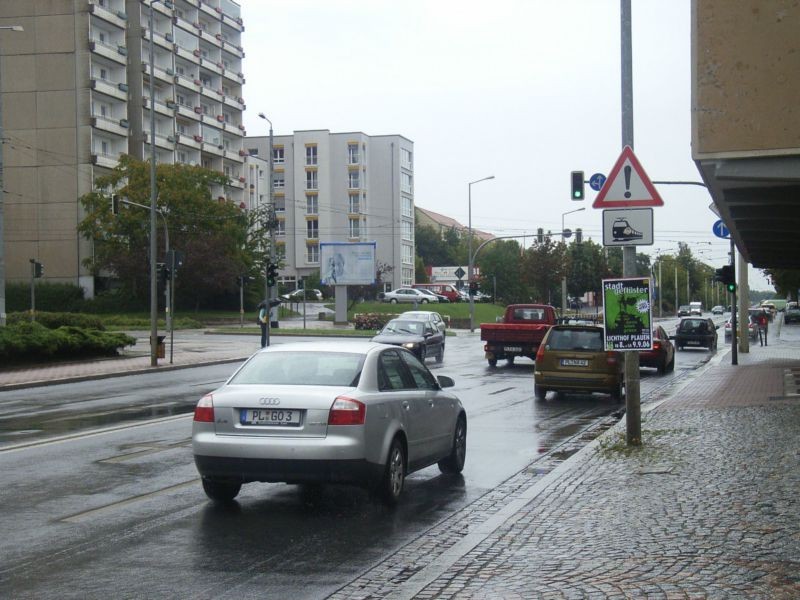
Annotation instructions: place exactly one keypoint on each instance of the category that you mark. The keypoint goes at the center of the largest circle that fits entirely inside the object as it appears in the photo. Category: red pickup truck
(520, 333)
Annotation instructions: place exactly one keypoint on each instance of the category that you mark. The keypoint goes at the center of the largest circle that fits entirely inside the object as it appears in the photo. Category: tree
(499, 264)
(220, 242)
(543, 265)
(586, 268)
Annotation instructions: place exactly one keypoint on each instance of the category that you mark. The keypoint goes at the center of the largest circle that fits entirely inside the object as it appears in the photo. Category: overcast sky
(525, 90)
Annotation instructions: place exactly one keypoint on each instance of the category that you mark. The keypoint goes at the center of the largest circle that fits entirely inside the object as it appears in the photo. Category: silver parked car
(328, 412)
(409, 295)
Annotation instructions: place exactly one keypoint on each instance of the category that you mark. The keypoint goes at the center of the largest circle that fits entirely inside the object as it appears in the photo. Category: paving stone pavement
(706, 508)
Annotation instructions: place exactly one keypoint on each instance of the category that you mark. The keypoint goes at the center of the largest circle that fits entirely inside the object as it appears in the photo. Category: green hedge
(56, 320)
(55, 297)
(26, 342)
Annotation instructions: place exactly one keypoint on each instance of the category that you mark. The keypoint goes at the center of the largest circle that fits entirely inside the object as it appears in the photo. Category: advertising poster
(628, 314)
(347, 263)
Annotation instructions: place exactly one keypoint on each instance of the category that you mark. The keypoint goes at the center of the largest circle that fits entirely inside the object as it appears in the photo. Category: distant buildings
(443, 224)
(339, 187)
(75, 95)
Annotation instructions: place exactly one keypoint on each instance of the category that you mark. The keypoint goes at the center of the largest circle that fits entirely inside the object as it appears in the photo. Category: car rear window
(693, 326)
(528, 314)
(301, 368)
(576, 339)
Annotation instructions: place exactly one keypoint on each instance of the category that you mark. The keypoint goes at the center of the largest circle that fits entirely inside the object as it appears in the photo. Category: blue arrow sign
(596, 181)
(721, 230)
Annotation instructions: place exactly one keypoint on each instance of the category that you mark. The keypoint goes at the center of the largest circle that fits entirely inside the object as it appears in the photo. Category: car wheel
(393, 301)
(539, 392)
(492, 362)
(510, 360)
(671, 365)
(662, 368)
(617, 394)
(454, 463)
(423, 353)
(221, 491)
(424, 301)
(394, 474)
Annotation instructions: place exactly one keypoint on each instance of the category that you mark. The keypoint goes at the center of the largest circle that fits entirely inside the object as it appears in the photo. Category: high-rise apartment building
(76, 95)
(340, 187)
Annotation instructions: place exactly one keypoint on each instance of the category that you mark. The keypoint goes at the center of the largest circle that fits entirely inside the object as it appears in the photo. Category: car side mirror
(445, 381)
(672, 337)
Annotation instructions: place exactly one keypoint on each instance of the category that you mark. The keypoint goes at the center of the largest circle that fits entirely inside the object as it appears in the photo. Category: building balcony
(212, 94)
(211, 11)
(214, 149)
(186, 82)
(118, 54)
(116, 126)
(232, 48)
(165, 142)
(188, 112)
(189, 141)
(108, 161)
(161, 107)
(192, 55)
(212, 65)
(234, 156)
(114, 90)
(234, 22)
(234, 77)
(119, 19)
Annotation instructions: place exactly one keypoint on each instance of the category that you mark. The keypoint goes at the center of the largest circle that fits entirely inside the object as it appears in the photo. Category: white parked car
(328, 412)
(408, 295)
(311, 295)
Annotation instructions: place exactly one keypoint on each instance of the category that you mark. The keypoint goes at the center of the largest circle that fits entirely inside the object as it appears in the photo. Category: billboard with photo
(347, 263)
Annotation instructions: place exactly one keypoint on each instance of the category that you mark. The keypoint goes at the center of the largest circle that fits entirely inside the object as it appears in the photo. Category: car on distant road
(718, 310)
(441, 298)
(662, 356)
(327, 412)
(408, 295)
(425, 315)
(791, 313)
(684, 310)
(422, 338)
(310, 295)
(573, 359)
(696, 332)
(752, 329)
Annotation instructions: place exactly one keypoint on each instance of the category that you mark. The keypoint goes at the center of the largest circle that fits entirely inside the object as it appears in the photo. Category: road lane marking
(145, 450)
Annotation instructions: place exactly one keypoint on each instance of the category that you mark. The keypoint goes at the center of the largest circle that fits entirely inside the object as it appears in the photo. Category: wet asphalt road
(120, 513)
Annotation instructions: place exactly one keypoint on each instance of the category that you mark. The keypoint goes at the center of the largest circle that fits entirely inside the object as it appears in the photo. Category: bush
(56, 297)
(371, 320)
(33, 342)
(56, 320)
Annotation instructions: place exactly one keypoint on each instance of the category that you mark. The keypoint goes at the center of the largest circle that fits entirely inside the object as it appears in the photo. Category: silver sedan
(324, 412)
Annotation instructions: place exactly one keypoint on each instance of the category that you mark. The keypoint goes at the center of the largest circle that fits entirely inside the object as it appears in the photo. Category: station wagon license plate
(280, 417)
(693, 343)
(574, 362)
(512, 348)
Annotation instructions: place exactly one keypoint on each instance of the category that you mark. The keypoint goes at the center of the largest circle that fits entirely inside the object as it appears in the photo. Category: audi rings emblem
(269, 401)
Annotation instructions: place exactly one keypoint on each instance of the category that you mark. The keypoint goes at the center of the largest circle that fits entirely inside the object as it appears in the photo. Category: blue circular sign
(721, 230)
(596, 181)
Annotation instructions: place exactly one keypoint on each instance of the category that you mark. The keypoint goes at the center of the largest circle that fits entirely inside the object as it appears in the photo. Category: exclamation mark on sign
(627, 181)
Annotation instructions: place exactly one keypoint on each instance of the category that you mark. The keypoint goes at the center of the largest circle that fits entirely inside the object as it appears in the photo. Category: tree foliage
(219, 241)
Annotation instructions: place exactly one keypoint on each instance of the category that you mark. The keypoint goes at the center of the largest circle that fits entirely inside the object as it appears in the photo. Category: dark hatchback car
(662, 356)
(421, 337)
(696, 332)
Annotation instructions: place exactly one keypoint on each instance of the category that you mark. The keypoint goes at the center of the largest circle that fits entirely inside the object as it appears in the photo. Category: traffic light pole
(734, 328)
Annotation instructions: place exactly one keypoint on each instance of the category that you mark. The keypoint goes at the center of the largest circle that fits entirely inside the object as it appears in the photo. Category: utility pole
(633, 413)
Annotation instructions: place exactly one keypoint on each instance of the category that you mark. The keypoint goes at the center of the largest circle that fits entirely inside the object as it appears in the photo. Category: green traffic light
(731, 287)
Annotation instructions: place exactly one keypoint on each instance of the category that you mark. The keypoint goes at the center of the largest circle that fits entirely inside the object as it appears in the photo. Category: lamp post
(269, 294)
(564, 277)
(471, 257)
(2, 239)
(153, 196)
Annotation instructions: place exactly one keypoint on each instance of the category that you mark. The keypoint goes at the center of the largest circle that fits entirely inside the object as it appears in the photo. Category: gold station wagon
(572, 358)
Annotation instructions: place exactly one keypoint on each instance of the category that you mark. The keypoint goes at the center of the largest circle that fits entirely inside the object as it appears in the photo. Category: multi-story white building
(339, 187)
(76, 95)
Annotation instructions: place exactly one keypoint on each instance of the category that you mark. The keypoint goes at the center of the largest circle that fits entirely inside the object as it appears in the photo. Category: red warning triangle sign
(627, 185)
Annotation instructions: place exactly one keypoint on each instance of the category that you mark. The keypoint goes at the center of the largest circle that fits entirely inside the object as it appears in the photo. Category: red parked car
(662, 356)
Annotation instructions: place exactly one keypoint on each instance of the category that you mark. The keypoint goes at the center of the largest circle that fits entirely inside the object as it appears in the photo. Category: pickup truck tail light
(656, 343)
(612, 358)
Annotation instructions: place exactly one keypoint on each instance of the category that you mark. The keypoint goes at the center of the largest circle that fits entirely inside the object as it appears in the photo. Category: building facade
(339, 187)
(75, 89)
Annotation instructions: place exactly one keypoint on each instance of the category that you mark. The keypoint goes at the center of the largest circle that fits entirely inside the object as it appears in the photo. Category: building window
(355, 228)
(312, 205)
(408, 231)
(312, 253)
(406, 159)
(279, 182)
(311, 155)
(354, 203)
(277, 155)
(407, 276)
(311, 180)
(406, 182)
(312, 229)
(352, 154)
(407, 207)
(182, 157)
(353, 179)
(281, 229)
(407, 254)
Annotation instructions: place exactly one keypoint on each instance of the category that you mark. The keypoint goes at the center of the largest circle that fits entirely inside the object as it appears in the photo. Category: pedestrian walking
(763, 327)
(263, 321)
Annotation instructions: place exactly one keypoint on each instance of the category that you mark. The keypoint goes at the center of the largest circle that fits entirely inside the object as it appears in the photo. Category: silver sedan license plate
(574, 362)
(280, 417)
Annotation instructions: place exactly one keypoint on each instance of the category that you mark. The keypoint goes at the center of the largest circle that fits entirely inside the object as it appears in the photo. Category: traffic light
(540, 235)
(272, 274)
(578, 236)
(725, 275)
(577, 185)
(114, 204)
(38, 269)
(164, 274)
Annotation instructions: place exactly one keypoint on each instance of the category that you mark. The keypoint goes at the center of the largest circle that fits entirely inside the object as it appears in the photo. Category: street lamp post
(471, 257)
(2, 239)
(564, 277)
(153, 196)
(269, 294)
